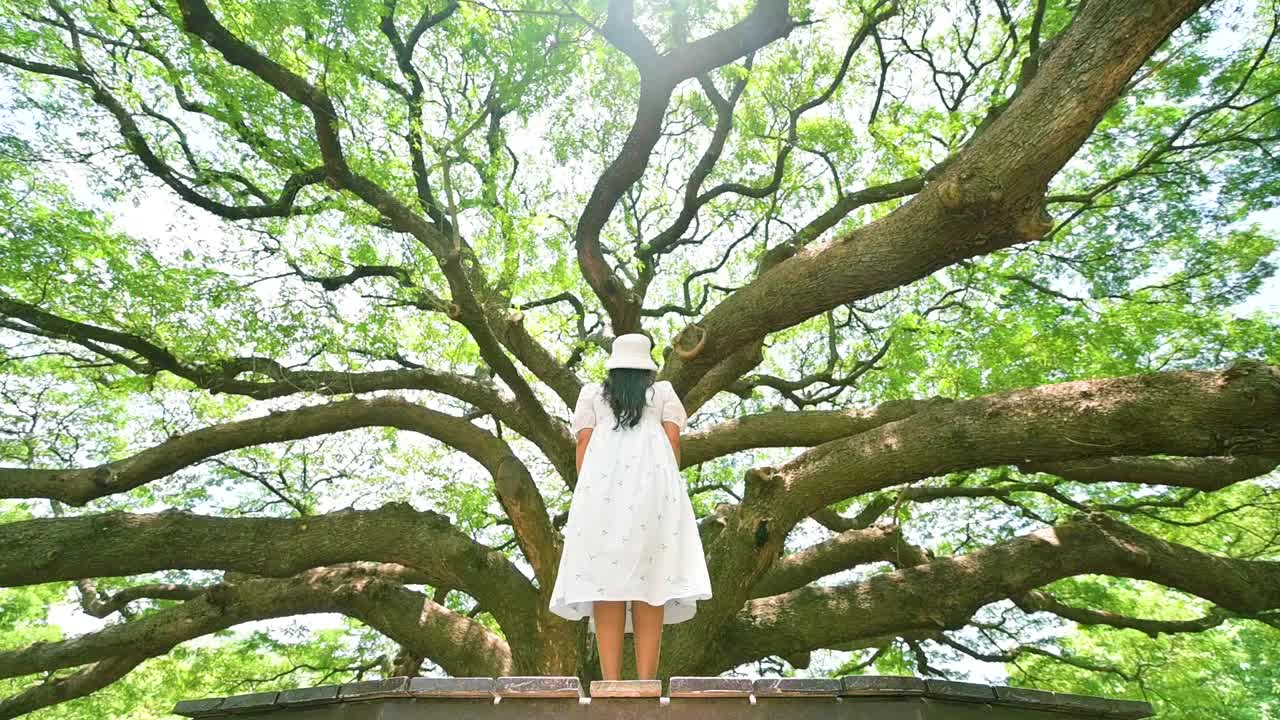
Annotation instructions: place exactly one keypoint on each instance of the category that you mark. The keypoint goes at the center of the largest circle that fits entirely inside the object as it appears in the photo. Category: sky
(154, 213)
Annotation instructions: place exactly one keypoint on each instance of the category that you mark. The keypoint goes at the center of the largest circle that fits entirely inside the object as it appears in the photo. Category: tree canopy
(951, 292)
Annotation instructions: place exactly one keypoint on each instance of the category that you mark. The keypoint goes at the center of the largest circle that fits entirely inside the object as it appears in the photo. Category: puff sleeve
(672, 408)
(584, 413)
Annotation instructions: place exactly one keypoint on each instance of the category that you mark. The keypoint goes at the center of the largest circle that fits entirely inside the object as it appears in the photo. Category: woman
(633, 560)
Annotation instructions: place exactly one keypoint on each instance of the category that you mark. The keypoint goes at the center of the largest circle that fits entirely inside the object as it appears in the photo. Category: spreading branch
(908, 599)
(986, 199)
(462, 646)
(118, 543)
(768, 21)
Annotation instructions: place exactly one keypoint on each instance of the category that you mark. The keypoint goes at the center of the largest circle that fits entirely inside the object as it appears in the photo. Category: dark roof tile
(249, 703)
(881, 685)
(792, 687)
(539, 686)
(452, 687)
(370, 689)
(302, 697)
(955, 690)
(203, 707)
(851, 687)
(708, 687)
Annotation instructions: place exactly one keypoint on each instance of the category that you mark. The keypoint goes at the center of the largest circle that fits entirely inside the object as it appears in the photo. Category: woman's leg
(647, 620)
(611, 620)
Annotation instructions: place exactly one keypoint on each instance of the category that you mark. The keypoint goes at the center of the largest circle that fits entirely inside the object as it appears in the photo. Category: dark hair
(627, 390)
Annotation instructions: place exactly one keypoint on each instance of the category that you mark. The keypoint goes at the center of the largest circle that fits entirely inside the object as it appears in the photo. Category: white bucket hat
(631, 350)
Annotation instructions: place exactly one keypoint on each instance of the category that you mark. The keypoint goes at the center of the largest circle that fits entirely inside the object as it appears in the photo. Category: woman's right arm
(584, 420)
(673, 436)
(673, 419)
(584, 437)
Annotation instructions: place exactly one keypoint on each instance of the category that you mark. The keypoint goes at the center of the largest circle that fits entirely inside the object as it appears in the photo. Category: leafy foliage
(1156, 246)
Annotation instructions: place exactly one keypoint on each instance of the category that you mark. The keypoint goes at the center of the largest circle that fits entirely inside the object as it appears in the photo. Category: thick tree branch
(989, 198)
(147, 358)
(783, 428)
(659, 74)
(1191, 413)
(509, 328)
(1201, 473)
(449, 250)
(58, 690)
(908, 599)
(768, 21)
(847, 550)
(515, 487)
(1040, 601)
(117, 543)
(460, 645)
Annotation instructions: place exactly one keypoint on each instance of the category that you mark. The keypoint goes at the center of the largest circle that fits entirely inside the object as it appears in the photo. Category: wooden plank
(796, 687)
(249, 702)
(373, 689)
(955, 690)
(707, 687)
(306, 697)
(626, 688)
(461, 687)
(880, 685)
(203, 707)
(550, 686)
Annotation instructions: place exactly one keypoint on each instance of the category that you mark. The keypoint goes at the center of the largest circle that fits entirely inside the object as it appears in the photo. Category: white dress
(631, 533)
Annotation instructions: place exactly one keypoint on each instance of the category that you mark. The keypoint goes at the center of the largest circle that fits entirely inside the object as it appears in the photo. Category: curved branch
(909, 599)
(79, 486)
(769, 20)
(989, 198)
(1040, 601)
(1201, 473)
(224, 376)
(1192, 413)
(59, 690)
(117, 543)
(847, 550)
(460, 645)
(93, 602)
(516, 490)
(283, 206)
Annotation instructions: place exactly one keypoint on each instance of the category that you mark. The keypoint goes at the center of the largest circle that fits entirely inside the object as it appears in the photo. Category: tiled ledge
(874, 697)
